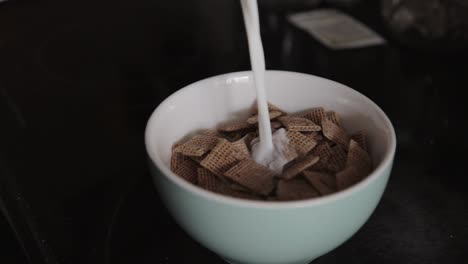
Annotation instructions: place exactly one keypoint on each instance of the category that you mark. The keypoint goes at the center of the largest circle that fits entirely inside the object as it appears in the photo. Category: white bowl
(261, 232)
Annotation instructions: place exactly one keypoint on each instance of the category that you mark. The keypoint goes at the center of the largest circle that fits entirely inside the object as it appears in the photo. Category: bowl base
(235, 262)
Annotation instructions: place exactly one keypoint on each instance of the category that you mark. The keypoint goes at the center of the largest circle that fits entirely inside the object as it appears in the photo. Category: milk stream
(266, 152)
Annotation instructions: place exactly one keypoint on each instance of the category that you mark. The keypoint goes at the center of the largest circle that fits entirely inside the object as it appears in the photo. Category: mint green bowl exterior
(256, 232)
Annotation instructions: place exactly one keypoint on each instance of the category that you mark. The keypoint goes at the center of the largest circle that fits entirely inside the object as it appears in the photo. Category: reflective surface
(79, 79)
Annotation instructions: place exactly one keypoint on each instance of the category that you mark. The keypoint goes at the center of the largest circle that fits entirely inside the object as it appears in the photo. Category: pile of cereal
(322, 158)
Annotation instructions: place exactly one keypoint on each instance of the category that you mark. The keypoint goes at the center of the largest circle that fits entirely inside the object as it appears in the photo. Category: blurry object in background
(288, 4)
(291, 5)
(345, 3)
(437, 25)
(335, 29)
(302, 52)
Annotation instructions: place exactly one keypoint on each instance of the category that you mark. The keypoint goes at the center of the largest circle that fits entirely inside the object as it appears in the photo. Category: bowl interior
(206, 103)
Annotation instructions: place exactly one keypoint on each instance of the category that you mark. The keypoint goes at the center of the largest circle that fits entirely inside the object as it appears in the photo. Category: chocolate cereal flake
(348, 177)
(276, 125)
(299, 166)
(241, 146)
(322, 182)
(324, 151)
(299, 124)
(197, 145)
(187, 169)
(176, 159)
(255, 177)
(317, 136)
(295, 189)
(315, 115)
(335, 133)
(301, 143)
(254, 119)
(234, 126)
(358, 158)
(209, 181)
(221, 158)
(361, 139)
(271, 108)
(334, 117)
(336, 159)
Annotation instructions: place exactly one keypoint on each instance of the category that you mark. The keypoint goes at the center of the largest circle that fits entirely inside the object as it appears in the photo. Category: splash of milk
(265, 151)
(277, 158)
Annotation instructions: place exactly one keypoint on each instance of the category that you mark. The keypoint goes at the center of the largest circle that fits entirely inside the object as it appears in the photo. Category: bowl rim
(219, 198)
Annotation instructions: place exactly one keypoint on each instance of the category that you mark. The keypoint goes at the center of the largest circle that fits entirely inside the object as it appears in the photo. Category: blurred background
(78, 80)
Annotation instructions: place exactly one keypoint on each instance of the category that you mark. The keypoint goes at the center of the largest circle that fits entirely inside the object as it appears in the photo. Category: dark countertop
(79, 79)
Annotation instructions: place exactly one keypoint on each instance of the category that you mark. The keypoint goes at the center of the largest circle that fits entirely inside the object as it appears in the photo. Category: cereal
(322, 150)
(249, 137)
(233, 136)
(361, 139)
(335, 133)
(241, 146)
(315, 115)
(299, 166)
(197, 159)
(187, 169)
(348, 177)
(254, 119)
(211, 133)
(237, 187)
(176, 159)
(299, 124)
(320, 159)
(358, 158)
(271, 108)
(234, 126)
(197, 145)
(221, 158)
(314, 135)
(252, 176)
(301, 143)
(209, 181)
(336, 159)
(290, 153)
(295, 189)
(322, 182)
(333, 116)
(213, 183)
(276, 124)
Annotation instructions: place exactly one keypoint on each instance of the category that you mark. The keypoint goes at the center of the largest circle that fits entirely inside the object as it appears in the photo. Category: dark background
(78, 79)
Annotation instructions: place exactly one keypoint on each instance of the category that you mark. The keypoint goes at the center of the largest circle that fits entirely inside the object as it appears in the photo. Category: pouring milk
(269, 149)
